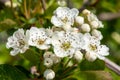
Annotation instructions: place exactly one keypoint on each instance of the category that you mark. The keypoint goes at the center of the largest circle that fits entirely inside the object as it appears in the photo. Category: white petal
(56, 21)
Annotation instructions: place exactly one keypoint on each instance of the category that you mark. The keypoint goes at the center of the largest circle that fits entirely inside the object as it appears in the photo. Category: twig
(112, 66)
(108, 16)
(85, 4)
(69, 3)
(43, 4)
(25, 9)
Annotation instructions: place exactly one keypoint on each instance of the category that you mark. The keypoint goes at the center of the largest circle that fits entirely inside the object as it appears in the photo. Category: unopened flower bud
(48, 62)
(47, 54)
(86, 12)
(55, 59)
(49, 74)
(85, 27)
(79, 20)
(94, 24)
(78, 56)
(97, 34)
(90, 56)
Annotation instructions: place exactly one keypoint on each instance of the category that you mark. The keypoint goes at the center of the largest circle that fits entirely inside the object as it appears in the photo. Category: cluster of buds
(72, 36)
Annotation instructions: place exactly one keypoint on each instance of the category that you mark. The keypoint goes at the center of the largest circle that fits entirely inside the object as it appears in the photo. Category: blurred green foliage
(29, 13)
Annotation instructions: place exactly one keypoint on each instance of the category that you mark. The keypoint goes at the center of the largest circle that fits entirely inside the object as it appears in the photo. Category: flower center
(92, 47)
(21, 42)
(40, 42)
(65, 20)
(66, 45)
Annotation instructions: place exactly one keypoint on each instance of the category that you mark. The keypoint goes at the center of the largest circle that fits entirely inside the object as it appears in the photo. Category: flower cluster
(72, 36)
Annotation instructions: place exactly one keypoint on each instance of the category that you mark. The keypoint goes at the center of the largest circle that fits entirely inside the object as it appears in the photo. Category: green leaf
(32, 56)
(8, 72)
(96, 65)
(7, 24)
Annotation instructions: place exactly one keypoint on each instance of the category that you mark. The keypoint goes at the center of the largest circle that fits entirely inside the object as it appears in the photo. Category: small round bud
(55, 59)
(47, 54)
(85, 27)
(97, 34)
(61, 2)
(79, 20)
(94, 24)
(49, 74)
(78, 56)
(90, 56)
(48, 62)
(86, 12)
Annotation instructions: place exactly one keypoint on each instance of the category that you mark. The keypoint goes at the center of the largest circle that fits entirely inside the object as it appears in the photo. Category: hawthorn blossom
(49, 74)
(93, 48)
(66, 43)
(39, 38)
(19, 42)
(64, 17)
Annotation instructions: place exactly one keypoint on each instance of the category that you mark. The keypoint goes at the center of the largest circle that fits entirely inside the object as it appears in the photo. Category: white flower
(48, 62)
(65, 43)
(97, 34)
(78, 56)
(39, 38)
(49, 74)
(64, 16)
(19, 42)
(94, 49)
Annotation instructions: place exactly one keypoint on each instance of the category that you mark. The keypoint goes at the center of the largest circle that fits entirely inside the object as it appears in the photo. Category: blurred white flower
(65, 43)
(94, 49)
(97, 34)
(19, 42)
(49, 74)
(55, 59)
(47, 54)
(39, 38)
(48, 62)
(52, 56)
(63, 16)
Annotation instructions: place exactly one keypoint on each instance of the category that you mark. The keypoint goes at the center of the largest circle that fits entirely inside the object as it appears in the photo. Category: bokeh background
(27, 13)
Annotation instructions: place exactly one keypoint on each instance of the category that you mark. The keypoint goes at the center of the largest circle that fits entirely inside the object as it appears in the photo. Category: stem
(69, 68)
(11, 2)
(111, 65)
(43, 4)
(67, 63)
(85, 4)
(25, 9)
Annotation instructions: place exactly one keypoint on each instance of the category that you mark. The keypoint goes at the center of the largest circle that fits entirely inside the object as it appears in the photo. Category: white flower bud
(79, 20)
(49, 74)
(94, 24)
(78, 56)
(86, 12)
(48, 62)
(90, 56)
(97, 34)
(55, 59)
(85, 27)
(47, 54)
